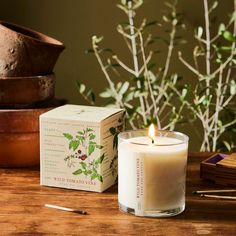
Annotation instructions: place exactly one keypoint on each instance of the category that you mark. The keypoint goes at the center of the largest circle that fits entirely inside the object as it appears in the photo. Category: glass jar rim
(184, 137)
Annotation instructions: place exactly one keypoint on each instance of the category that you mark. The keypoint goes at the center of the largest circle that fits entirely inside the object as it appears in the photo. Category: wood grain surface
(22, 210)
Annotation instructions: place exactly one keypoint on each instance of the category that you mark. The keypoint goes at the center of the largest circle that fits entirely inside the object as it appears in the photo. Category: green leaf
(229, 36)
(74, 144)
(93, 176)
(227, 145)
(77, 172)
(92, 136)
(99, 146)
(68, 136)
(89, 130)
(83, 164)
(100, 159)
(232, 87)
(105, 50)
(89, 51)
(89, 172)
(97, 40)
(95, 170)
(115, 141)
(165, 18)
(92, 142)
(99, 177)
(151, 23)
(169, 5)
(225, 48)
(122, 8)
(82, 88)
(221, 28)
(124, 88)
(214, 5)
(91, 148)
(184, 94)
(199, 32)
(105, 94)
(112, 130)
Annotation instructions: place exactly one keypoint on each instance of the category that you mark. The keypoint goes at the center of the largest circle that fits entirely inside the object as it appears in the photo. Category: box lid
(81, 113)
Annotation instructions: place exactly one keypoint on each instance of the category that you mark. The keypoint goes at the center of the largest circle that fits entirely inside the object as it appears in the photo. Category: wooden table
(22, 210)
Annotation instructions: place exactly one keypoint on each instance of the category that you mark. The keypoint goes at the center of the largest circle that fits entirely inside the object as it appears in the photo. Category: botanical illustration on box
(83, 146)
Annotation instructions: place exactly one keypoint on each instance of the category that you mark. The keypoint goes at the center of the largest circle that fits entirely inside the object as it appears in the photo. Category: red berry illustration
(79, 151)
(83, 157)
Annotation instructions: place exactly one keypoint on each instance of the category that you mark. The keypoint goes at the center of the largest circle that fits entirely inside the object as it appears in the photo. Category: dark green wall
(75, 21)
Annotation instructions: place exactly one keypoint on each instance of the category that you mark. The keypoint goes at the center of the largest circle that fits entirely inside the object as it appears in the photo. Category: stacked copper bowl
(27, 86)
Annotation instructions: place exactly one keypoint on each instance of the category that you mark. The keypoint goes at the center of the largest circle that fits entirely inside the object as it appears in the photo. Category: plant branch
(115, 57)
(135, 56)
(189, 66)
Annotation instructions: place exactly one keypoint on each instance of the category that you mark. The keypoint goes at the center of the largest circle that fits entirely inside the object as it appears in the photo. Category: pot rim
(29, 33)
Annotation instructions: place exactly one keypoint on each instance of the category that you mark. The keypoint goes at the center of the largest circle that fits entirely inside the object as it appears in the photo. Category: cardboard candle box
(78, 147)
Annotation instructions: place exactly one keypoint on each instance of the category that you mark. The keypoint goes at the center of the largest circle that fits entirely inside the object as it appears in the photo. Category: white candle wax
(156, 172)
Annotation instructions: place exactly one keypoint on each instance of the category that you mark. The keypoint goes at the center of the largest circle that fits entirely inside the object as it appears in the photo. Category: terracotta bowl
(24, 52)
(19, 135)
(24, 91)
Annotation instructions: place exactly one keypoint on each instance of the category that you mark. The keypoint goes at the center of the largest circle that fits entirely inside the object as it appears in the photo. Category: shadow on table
(204, 209)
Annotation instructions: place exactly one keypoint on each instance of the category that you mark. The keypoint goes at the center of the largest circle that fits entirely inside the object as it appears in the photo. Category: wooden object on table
(22, 209)
(220, 168)
(229, 162)
(226, 170)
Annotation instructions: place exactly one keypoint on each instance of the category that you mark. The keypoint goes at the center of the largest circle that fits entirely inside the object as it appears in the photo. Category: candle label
(139, 209)
(78, 147)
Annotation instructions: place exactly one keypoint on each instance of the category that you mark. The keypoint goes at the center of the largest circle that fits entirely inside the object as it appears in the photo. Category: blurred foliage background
(74, 22)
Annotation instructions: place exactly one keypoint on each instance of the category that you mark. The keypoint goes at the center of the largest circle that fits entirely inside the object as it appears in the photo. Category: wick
(152, 141)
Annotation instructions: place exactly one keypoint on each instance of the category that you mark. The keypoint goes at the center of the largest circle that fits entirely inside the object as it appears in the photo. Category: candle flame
(151, 132)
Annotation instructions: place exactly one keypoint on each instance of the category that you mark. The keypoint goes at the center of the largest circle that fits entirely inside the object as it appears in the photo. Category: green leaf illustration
(92, 136)
(99, 177)
(74, 144)
(95, 170)
(112, 130)
(115, 141)
(100, 159)
(91, 148)
(83, 164)
(99, 146)
(86, 138)
(77, 172)
(94, 176)
(89, 130)
(68, 136)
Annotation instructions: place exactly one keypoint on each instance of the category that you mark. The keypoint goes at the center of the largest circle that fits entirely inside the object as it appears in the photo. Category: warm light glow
(151, 132)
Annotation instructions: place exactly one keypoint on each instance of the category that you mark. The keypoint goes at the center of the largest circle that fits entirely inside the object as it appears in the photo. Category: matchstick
(218, 196)
(66, 209)
(215, 191)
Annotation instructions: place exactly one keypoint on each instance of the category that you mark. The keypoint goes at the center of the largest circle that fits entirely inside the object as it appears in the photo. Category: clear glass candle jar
(152, 173)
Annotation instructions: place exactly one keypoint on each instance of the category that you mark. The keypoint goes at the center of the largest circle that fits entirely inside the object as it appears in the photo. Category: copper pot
(24, 52)
(23, 91)
(19, 134)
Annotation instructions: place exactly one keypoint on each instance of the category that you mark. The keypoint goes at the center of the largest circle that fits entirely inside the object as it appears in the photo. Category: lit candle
(151, 170)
